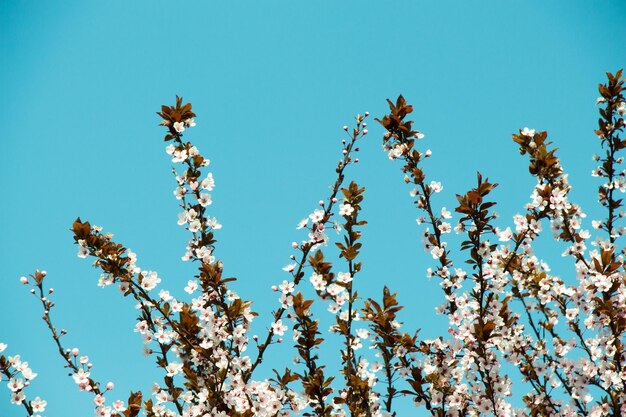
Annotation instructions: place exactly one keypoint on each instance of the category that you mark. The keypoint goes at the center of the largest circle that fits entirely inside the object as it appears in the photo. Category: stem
(47, 305)
(306, 249)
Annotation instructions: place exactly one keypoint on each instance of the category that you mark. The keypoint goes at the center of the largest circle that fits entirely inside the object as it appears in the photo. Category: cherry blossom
(508, 313)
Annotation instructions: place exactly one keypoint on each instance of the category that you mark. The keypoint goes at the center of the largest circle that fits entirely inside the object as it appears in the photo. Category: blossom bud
(345, 152)
(356, 161)
(51, 290)
(75, 351)
(292, 257)
(294, 245)
(32, 291)
(279, 340)
(345, 128)
(367, 113)
(428, 153)
(365, 131)
(274, 287)
(364, 124)
(24, 280)
(321, 203)
(110, 386)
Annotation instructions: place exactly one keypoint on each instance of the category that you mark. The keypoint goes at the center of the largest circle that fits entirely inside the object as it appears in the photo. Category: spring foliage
(507, 313)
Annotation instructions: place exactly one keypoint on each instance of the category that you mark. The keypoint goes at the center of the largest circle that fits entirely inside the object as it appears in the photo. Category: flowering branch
(399, 142)
(572, 358)
(320, 218)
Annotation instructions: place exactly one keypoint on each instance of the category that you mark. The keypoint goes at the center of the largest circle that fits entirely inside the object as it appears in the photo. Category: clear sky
(272, 84)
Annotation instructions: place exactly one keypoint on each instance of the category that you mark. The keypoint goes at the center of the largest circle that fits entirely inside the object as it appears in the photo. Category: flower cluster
(19, 375)
(568, 341)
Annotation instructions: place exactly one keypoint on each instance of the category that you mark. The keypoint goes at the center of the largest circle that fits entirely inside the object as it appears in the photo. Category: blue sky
(272, 84)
